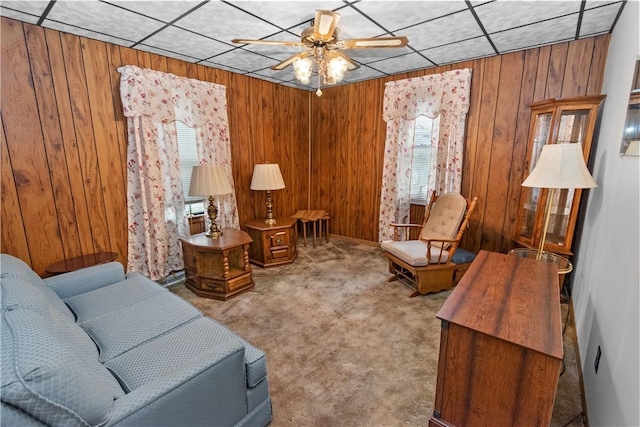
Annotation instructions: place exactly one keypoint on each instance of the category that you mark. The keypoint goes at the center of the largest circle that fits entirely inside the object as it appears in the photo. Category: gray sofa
(97, 348)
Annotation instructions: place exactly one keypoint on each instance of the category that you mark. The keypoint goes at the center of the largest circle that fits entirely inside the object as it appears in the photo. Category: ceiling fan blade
(290, 60)
(373, 42)
(324, 24)
(267, 42)
(352, 65)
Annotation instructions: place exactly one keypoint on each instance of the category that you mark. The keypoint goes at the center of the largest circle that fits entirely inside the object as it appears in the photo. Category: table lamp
(210, 180)
(560, 166)
(267, 177)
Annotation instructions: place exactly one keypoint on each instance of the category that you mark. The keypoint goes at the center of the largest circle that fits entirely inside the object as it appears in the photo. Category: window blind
(421, 162)
(188, 158)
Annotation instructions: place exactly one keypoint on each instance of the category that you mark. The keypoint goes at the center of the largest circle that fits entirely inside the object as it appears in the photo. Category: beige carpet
(345, 347)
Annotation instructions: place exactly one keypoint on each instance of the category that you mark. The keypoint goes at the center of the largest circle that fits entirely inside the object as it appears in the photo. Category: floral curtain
(444, 96)
(152, 101)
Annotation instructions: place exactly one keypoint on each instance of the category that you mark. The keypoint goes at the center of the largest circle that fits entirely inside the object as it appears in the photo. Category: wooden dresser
(500, 345)
(273, 244)
(218, 268)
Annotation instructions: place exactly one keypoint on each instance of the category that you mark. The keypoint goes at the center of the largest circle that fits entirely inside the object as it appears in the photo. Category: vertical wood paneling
(64, 123)
(502, 87)
(64, 155)
(26, 149)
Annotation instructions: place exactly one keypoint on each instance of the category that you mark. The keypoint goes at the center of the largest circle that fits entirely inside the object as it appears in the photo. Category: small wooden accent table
(500, 345)
(273, 244)
(312, 216)
(83, 261)
(218, 268)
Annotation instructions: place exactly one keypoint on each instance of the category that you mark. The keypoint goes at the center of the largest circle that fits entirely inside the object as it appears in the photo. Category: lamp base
(213, 232)
(270, 219)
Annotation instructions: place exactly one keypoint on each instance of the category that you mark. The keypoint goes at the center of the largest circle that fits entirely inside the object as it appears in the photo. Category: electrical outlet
(597, 361)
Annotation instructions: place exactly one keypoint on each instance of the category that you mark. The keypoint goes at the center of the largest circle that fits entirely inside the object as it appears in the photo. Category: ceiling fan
(323, 47)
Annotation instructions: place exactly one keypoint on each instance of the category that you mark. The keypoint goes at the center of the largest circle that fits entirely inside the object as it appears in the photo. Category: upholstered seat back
(445, 218)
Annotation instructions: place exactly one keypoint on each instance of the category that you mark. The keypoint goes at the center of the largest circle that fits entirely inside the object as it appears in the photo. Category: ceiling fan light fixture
(337, 68)
(302, 68)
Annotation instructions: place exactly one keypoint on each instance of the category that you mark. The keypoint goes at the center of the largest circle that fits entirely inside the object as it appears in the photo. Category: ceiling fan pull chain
(319, 91)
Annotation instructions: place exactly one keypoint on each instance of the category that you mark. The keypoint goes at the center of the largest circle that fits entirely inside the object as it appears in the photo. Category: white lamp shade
(560, 166)
(209, 180)
(267, 177)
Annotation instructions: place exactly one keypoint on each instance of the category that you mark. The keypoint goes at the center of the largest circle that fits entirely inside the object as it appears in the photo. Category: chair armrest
(87, 279)
(430, 242)
(394, 224)
(207, 390)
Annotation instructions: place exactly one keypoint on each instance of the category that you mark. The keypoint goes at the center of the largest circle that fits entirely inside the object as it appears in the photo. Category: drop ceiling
(439, 32)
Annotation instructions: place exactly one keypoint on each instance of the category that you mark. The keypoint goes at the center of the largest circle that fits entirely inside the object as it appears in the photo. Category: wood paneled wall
(348, 137)
(64, 141)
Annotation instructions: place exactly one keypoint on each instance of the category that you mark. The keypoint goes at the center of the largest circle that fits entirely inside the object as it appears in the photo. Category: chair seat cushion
(414, 252)
(462, 256)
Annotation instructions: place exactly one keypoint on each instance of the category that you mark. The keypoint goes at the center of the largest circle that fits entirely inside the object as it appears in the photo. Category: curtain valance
(428, 95)
(166, 97)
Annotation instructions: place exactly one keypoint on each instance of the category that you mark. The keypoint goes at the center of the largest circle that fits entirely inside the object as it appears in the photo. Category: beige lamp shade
(208, 180)
(267, 177)
(560, 166)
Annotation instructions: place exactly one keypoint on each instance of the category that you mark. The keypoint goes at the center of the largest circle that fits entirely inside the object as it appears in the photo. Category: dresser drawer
(280, 238)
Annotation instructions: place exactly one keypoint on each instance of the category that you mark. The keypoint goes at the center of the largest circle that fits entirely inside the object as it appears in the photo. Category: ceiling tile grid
(439, 32)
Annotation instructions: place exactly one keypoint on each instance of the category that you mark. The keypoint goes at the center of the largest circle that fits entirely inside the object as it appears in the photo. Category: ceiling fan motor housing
(307, 37)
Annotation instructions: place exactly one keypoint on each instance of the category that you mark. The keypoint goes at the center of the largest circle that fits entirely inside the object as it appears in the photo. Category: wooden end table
(82, 261)
(273, 244)
(312, 216)
(218, 268)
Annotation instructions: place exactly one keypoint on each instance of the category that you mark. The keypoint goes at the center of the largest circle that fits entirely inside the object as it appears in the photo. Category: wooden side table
(312, 216)
(218, 268)
(273, 244)
(82, 261)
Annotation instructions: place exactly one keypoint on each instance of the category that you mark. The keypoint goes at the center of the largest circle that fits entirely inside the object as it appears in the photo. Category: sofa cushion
(112, 297)
(414, 252)
(17, 293)
(157, 357)
(113, 332)
(15, 268)
(45, 376)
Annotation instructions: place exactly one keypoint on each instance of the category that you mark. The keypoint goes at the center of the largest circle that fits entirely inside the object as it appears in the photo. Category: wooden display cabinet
(218, 268)
(273, 244)
(555, 121)
(500, 345)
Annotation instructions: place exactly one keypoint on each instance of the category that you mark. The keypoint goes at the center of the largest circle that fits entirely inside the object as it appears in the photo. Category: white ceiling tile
(353, 25)
(225, 22)
(163, 52)
(450, 29)
(243, 60)
(287, 14)
(400, 14)
(222, 67)
(536, 34)
(370, 55)
(283, 75)
(165, 11)
(85, 33)
(493, 16)
(14, 14)
(278, 52)
(590, 4)
(412, 61)
(104, 18)
(188, 43)
(598, 20)
(457, 52)
(30, 7)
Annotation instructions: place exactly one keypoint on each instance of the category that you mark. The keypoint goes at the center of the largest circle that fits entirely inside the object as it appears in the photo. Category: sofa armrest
(208, 390)
(87, 279)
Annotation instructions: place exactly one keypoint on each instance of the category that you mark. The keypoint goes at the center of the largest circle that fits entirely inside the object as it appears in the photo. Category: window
(421, 162)
(188, 159)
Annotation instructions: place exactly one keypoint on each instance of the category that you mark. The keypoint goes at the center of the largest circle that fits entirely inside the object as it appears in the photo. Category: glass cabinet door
(554, 121)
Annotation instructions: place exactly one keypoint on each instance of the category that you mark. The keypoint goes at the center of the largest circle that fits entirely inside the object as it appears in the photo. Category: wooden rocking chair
(426, 262)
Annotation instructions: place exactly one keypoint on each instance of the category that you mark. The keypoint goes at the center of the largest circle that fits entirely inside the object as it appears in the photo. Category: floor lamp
(210, 180)
(560, 166)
